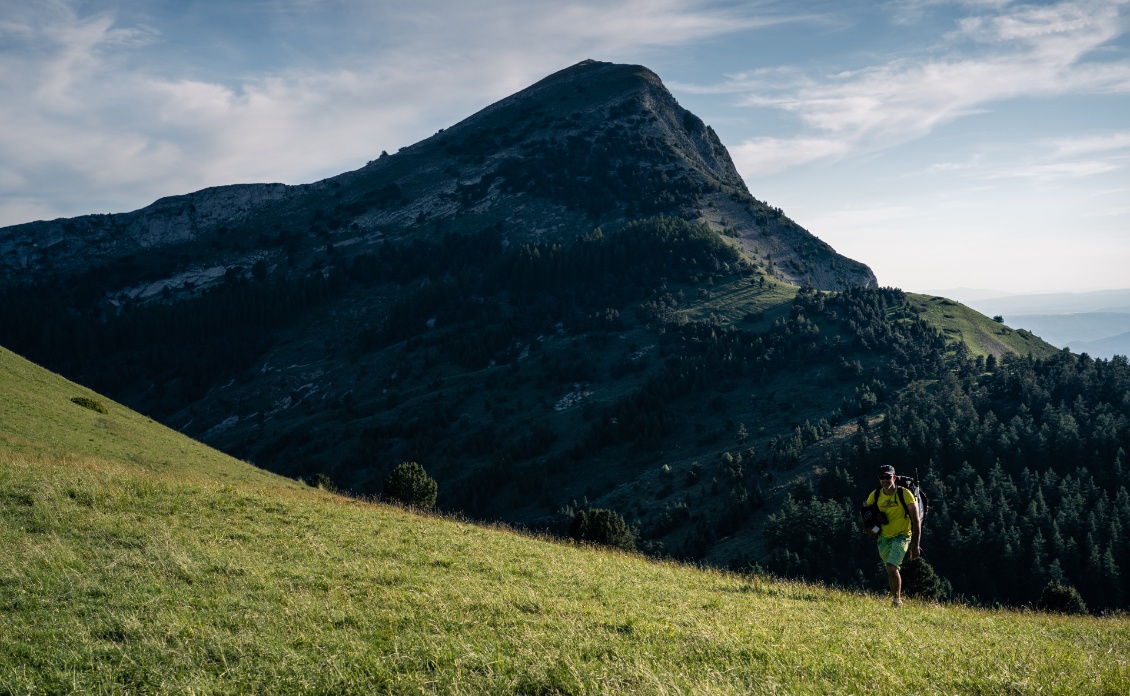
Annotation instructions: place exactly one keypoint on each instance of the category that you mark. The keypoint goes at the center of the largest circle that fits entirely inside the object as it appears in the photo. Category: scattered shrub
(322, 481)
(920, 581)
(92, 404)
(410, 484)
(1062, 599)
(602, 526)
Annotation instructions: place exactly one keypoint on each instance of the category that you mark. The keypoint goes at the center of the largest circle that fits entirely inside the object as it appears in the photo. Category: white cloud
(1049, 161)
(1037, 23)
(764, 156)
(947, 167)
(1023, 52)
(1085, 145)
(1056, 171)
(92, 124)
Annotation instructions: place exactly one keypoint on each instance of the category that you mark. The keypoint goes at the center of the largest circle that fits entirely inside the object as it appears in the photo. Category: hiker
(900, 530)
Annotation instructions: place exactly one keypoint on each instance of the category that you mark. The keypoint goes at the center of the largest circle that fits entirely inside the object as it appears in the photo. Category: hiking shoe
(897, 602)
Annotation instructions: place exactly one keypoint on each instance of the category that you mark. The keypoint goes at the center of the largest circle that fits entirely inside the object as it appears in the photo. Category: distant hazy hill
(1055, 303)
(1104, 347)
(1088, 322)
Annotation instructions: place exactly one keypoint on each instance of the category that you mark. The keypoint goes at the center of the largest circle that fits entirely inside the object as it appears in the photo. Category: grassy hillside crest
(137, 560)
(980, 334)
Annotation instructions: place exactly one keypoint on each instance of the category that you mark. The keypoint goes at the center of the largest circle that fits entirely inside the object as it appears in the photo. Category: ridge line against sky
(977, 143)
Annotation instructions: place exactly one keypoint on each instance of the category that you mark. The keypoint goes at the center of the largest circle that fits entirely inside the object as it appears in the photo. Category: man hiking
(902, 530)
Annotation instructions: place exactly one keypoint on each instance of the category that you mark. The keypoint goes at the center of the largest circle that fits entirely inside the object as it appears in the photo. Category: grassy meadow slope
(39, 420)
(136, 560)
(979, 333)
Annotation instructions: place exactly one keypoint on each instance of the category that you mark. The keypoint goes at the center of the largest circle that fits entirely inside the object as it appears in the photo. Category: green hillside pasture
(736, 299)
(116, 578)
(982, 335)
(38, 416)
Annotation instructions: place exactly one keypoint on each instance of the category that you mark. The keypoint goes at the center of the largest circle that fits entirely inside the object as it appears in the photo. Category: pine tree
(919, 580)
(410, 484)
(1062, 599)
(602, 526)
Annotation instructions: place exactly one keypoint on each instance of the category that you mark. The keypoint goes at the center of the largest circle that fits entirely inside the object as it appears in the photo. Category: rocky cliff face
(596, 144)
(71, 245)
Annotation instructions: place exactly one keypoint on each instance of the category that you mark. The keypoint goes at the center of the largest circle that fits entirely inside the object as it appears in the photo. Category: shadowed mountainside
(597, 143)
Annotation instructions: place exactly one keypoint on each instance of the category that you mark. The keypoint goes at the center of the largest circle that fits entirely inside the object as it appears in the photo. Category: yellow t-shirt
(898, 523)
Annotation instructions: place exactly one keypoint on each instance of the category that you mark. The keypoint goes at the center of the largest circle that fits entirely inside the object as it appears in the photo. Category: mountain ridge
(540, 161)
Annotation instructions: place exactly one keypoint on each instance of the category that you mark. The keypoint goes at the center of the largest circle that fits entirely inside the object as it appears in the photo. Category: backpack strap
(901, 496)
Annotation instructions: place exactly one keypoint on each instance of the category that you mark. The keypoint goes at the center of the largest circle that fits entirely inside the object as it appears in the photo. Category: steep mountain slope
(43, 416)
(686, 403)
(137, 560)
(597, 143)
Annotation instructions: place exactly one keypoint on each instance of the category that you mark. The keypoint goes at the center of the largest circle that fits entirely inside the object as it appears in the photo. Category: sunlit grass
(981, 334)
(122, 578)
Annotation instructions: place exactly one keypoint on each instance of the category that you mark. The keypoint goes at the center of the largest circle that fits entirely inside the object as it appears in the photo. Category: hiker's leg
(894, 580)
(892, 551)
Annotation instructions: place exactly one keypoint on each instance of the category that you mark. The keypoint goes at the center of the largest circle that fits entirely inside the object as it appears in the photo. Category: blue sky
(977, 143)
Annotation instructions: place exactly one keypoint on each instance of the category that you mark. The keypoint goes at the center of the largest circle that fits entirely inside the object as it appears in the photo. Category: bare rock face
(596, 144)
(182, 218)
(71, 245)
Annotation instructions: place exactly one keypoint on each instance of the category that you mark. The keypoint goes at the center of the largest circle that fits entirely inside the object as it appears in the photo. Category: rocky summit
(596, 144)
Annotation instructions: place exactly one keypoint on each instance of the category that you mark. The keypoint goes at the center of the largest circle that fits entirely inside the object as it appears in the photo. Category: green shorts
(893, 549)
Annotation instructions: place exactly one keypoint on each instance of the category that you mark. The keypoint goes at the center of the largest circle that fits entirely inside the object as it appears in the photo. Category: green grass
(732, 301)
(38, 417)
(981, 334)
(135, 560)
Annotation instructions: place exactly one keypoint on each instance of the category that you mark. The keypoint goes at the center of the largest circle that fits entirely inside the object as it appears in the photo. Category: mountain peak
(593, 144)
(594, 70)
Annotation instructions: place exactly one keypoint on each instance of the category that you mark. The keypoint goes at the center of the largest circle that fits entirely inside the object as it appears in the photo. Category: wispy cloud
(1016, 51)
(1114, 142)
(761, 156)
(1047, 161)
(1055, 171)
(92, 123)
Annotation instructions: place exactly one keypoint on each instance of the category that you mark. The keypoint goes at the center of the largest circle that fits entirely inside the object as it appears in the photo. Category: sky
(946, 144)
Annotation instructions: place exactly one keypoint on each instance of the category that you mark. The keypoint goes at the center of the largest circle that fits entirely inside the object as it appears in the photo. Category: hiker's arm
(915, 531)
(862, 509)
